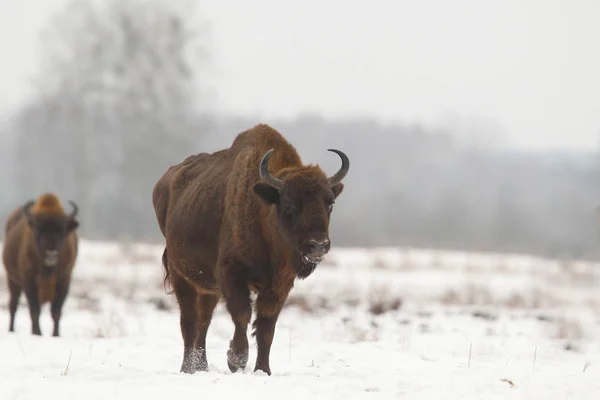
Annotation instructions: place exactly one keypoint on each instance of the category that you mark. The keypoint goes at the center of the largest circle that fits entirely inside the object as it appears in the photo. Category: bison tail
(167, 281)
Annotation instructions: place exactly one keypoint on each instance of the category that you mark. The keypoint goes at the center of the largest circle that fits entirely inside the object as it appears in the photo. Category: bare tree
(118, 89)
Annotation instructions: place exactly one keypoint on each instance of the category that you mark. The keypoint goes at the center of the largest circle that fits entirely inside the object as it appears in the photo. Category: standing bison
(248, 218)
(39, 254)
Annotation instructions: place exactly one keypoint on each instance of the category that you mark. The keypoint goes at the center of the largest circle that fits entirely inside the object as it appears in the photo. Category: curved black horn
(75, 209)
(337, 178)
(266, 176)
(27, 208)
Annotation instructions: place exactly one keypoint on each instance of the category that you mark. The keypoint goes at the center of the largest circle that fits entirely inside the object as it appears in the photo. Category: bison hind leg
(205, 306)
(195, 316)
(237, 300)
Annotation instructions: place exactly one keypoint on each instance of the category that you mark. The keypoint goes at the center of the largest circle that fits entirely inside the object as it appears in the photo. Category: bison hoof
(235, 368)
(190, 368)
(187, 368)
(264, 369)
(194, 361)
(202, 368)
(237, 360)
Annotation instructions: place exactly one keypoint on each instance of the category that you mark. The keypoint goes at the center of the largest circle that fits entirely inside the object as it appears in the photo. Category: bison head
(50, 231)
(304, 198)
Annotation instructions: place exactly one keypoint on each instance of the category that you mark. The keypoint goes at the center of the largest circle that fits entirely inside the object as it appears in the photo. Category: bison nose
(318, 246)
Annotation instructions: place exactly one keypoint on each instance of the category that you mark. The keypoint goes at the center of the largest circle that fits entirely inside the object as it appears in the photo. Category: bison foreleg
(57, 304)
(33, 301)
(268, 307)
(15, 295)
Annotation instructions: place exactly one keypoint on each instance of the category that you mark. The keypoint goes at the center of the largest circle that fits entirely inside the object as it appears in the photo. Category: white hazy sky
(531, 66)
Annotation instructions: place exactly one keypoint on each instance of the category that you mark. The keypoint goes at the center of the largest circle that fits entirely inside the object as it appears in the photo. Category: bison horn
(337, 178)
(266, 175)
(75, 209)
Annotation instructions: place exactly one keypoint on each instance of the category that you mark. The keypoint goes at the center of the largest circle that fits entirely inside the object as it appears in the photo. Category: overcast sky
(530, 66)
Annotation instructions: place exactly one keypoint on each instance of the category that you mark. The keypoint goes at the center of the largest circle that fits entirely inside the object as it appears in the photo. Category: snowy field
(368, 324)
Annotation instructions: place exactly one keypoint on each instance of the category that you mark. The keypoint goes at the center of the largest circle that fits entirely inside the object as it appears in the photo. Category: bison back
(13, 218)
(161, 192)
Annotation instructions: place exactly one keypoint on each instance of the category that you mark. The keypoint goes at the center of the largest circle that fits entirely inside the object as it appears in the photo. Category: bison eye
(289, 208)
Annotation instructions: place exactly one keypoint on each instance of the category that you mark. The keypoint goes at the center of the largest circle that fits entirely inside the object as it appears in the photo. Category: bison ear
(337, 189)
(72, 225)
(266, 192)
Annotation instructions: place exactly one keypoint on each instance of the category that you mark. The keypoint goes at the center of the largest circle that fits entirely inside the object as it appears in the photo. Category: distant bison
(248, 218)
(39, 254)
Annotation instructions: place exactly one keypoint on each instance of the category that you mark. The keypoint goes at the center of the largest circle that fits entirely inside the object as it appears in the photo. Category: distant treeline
(407, 186)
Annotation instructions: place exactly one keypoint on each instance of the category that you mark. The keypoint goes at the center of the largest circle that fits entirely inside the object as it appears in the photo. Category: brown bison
(250, 218)
(39, 254)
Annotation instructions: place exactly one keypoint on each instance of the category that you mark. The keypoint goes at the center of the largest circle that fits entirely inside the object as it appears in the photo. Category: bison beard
(239, 221)
(306, 266)
(306, 270)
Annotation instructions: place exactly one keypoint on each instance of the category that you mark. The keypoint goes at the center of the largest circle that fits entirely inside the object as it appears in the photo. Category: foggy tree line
(119, 98)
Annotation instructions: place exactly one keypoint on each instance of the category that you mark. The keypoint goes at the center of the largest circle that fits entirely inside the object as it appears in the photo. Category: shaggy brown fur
(229, 233)
(39, 256)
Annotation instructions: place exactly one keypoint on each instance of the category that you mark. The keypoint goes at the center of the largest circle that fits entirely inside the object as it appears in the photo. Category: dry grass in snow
(378, 323)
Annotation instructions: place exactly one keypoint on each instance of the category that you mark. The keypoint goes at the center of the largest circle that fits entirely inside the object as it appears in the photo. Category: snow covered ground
(369, 324)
